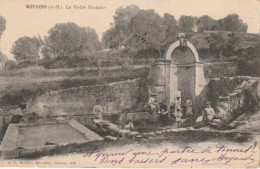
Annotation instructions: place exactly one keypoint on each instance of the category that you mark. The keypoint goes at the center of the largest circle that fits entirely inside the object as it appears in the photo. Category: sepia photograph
(130, 83)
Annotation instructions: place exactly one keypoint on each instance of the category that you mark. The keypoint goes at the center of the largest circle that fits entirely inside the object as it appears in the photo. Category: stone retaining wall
(220, 69)
(115, 97)
(239, 96)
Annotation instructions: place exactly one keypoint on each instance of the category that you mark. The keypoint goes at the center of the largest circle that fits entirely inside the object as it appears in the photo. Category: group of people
(159, 111)
(161, 114)
(177, 109)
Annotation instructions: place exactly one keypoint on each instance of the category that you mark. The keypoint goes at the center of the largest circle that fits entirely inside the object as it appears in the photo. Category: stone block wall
(220, 69)
(114, 97)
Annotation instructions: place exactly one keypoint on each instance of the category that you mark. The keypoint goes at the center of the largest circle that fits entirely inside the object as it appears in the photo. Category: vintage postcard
(130, 83)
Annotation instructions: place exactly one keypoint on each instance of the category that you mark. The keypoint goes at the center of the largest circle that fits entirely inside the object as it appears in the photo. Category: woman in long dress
(189, 108)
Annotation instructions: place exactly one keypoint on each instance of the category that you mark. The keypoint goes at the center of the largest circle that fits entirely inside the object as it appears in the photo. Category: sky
(21, 21)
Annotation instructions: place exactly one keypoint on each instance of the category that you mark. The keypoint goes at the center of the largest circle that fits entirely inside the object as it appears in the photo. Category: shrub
(223, 46)
(9, 64)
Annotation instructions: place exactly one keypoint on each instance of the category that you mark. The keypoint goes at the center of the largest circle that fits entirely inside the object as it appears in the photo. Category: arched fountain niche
(179, 73)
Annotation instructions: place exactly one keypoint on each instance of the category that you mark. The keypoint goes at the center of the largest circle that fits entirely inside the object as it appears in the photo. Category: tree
(2, 25)
(172, 29)
(3, 58)
(233, 23)
(26, 49)
(147, 26)
(187, 23)
(2, 29)
(122, 18)
(216, 43)
(206, 22)
(46, 52)
(243, 28)
(137, 29)
(119, 34)
(91, 40)
(223, 46)
(110, 39)
(230, 45)
(45, 49)
(70, 40)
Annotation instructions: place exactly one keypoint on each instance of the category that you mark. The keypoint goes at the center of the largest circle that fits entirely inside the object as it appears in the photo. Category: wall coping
(97, 85)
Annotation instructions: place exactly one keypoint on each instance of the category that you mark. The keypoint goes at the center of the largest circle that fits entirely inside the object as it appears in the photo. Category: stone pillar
(160, 80)
(173, 93)
(200, 79)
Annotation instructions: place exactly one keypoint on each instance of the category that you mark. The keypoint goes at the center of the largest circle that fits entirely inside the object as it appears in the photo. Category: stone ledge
(82, 129)
(10, 139)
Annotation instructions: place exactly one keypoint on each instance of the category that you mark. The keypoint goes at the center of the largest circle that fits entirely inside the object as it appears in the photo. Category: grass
(41, 72)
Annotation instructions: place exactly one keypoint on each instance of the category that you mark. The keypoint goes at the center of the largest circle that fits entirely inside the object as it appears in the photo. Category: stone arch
(177, 44)
(172, 76)
(186, 77)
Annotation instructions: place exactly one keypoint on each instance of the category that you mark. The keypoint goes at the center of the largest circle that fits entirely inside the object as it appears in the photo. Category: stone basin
(22, 139)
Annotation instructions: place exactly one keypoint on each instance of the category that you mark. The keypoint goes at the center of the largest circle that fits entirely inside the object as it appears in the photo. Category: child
(178, 116)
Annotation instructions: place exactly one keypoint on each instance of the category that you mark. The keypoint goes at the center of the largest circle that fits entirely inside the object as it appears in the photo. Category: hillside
(247, 45)
(22, 84)
(247, 40)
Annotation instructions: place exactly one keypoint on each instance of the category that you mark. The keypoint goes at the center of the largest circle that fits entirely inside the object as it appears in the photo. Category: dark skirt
(164, 119)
